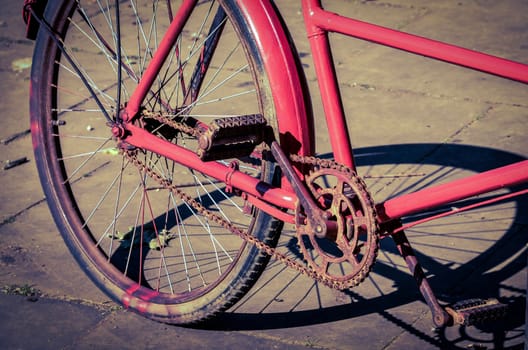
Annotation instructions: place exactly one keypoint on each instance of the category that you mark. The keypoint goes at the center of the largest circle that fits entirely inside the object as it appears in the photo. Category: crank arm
(440, 316)
(315, 216)
(465, 312)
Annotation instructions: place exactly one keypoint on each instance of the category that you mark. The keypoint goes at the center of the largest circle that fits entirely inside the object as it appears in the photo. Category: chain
(326, 280)
(201, 210)
(189, 130)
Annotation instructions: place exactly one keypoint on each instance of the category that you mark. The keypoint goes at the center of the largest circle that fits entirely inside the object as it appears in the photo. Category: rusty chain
(187, 129)
(131, 155)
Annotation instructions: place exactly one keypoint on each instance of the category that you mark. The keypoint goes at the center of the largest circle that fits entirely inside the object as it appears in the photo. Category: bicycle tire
(97, 202)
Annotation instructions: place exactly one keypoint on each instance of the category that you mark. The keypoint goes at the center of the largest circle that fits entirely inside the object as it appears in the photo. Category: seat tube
(328, 84)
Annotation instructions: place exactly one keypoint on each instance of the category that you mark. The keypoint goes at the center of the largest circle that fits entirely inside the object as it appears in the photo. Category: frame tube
(141, 138)
(161, 54)
(329, 90)
(431, 197)
(329, 21)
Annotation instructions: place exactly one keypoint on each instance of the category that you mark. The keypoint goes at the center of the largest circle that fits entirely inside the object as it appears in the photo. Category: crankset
(336, 224)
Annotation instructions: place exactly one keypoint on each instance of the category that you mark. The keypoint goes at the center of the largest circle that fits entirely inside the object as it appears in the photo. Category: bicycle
(197, 128)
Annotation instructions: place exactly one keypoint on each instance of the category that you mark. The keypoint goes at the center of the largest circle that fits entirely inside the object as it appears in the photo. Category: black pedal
(473, 311)
(232, 137)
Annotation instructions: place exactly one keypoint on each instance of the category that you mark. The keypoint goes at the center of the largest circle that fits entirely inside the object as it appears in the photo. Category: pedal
(472, 311)
(232, 137)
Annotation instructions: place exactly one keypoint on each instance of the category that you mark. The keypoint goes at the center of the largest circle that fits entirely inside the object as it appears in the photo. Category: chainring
(348, 252)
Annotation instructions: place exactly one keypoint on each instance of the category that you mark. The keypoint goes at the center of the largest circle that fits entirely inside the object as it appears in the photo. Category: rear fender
(290, 92)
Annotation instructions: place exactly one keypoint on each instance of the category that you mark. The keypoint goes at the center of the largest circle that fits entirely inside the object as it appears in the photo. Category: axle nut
(118, 131)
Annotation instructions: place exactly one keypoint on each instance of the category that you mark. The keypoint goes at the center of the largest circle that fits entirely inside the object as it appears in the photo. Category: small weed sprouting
(24, 290)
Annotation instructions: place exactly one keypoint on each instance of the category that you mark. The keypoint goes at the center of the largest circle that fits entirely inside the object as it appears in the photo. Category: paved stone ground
(421, 114)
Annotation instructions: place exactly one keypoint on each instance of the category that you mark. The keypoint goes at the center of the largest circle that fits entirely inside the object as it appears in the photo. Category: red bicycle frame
(318, 23)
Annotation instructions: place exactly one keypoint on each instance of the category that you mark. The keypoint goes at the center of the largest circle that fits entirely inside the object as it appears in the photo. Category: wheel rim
(152, 241)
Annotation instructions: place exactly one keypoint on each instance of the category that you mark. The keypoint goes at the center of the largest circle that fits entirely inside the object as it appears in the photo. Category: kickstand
(440, 316)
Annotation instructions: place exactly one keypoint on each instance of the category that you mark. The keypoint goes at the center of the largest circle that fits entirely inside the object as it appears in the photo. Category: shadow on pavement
(482, 276)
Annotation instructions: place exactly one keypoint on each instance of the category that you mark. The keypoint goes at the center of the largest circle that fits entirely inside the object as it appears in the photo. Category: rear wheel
(136, 239)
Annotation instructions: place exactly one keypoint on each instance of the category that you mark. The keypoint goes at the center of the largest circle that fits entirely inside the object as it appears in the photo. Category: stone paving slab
(427, 116)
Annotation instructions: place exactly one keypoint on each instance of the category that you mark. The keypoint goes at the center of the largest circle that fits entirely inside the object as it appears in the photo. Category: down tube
(436, 196)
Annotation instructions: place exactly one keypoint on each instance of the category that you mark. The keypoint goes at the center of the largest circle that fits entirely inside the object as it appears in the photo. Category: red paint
(161, 54)
(129, 296)
(295, 125)
(329, 21)
(439, 195)
(143, 139)
(328, 87)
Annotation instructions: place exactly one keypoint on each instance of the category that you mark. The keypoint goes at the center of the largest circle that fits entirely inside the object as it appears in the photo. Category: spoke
(94, 138)
(106, 14)
(90, 156)
(159, 241)
(93, 88)
(133, 238)
(225, 98)
(207, 227)
(209, 46)
(217, 86)
(141, 238)
(224, 195)
(58, 41)
(182, 232)
(141, 35)
(103, 46)
(222, 66)
(82, 99)
(163, 263)
(116, 205)
(194, 47)
(102, 199)
(105, 232)
(182, 249)
(220, 99)
(86, 110)
(194, 50)
(208, 194)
